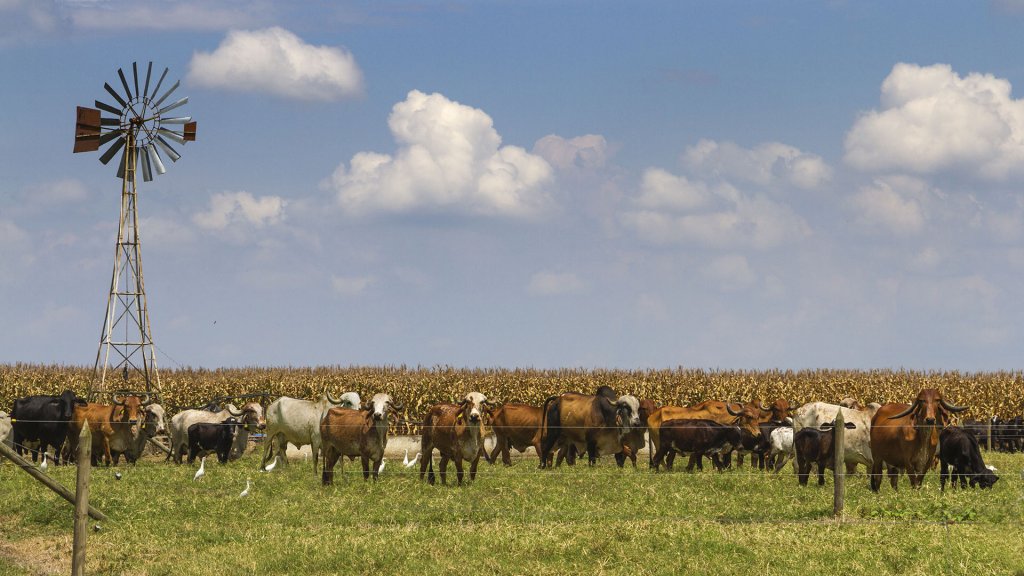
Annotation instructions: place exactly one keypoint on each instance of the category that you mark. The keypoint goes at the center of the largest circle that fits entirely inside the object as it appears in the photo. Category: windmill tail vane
(140, 126)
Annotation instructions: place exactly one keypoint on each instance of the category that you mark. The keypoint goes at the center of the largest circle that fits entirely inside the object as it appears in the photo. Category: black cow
(212, 437)
(698, 438)
(814, 446)
(959, 449)
(979, 429)
(43, 419)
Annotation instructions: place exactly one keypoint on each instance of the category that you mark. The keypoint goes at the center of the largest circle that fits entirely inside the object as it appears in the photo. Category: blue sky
(547, 184)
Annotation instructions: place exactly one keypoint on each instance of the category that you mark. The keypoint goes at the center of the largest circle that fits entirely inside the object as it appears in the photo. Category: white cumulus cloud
(449, 159)
(931, 120)
(227, 208)
(278, 62)
(765, 164)
(896, 205)
(675, 210)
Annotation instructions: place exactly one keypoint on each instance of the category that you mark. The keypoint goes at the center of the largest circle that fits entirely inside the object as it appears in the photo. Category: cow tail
(430, 470)
(544, 427)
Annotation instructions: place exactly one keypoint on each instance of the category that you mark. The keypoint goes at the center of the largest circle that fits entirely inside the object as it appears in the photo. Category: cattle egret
(410, 463)
(383, 461)
(42, 465)
(202, 469)
(271, 466)
(992, 468)
(117, 475)
(245, 492)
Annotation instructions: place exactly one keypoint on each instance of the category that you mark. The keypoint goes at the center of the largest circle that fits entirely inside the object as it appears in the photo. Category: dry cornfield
(987, 393)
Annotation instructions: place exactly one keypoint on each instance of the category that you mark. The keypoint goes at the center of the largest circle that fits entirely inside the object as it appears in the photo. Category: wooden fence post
(988, 440)
(839, 465)
(84, 459)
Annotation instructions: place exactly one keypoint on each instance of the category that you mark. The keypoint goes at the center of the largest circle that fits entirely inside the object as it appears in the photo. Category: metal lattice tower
(140, 128)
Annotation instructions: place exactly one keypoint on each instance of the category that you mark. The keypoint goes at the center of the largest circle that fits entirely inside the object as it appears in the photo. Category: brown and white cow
(635, 439)
(905, 437)
(455, 430)
(593, 424)
(105, 421)
(352, 433)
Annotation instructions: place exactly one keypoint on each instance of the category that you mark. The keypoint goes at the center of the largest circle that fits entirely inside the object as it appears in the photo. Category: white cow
(782, 448)
(251, 416)
(857, 441)
(6, 433)
(298, 421)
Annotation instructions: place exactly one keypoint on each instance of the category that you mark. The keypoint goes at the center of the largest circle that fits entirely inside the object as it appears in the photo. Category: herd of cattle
(890, 438)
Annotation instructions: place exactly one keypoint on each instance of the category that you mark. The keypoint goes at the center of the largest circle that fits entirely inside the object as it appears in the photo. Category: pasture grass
(517, 520)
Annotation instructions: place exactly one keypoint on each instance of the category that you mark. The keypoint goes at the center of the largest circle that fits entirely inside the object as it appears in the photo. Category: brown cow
(729, 414)
(104, 421)
(455, 430)
(905, 437)
(515, 426)
(363, 433)
(592, 424)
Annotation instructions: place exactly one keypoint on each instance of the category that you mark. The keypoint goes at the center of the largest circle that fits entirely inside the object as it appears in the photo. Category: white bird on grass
(410, 463)
(245, 492)
(43, 465)
(271, 466)
(383, 461)
(202, 469)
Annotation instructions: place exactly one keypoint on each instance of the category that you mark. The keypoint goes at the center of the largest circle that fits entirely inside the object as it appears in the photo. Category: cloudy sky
(550, 184)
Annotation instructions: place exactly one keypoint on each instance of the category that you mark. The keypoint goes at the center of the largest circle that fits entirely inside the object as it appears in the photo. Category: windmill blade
(149, 72)
(179, 138)
(147, 170)
(181, 102)
(178, 120)
(159, 82)
(171, 152)
(124, 83)
(112, 150)
(110, 136)
(110, 122)
(116, 96)
(120, 169)
(154, 159)
(108, 108)
(135, 76)
(166, 94)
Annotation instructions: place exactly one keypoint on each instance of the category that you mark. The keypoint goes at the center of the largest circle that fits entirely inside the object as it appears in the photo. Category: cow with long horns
(298, 421)
(725, 413)
(905, 437)
(112, 426)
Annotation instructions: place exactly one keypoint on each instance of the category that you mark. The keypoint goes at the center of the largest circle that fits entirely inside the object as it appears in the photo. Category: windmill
(140, 127)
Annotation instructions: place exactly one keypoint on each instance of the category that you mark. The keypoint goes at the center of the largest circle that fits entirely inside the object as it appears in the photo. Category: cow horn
(728, 408)
(763, 406)
(232, 412)
(397, 407)
(907, 411)
(332, 399)
(145, 400)
(952, 407)
(116, 401)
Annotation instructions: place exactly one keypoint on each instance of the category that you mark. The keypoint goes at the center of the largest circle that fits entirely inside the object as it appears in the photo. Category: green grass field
(516, 520)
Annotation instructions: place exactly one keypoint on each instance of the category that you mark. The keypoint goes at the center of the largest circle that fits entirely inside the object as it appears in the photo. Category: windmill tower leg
(126, 344)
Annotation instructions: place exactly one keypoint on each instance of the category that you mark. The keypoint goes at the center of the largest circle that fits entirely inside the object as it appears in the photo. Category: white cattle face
(379, 406)
(155, 422)
(473, 405)
(627, 410)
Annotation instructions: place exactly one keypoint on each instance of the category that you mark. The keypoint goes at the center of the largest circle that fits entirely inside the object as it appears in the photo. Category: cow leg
(821, 473)
(331, 455)
(365, 460)
(670, 459)
(620, 459)
(894, 476)
(472, 468)
(658, 457)
(493, 457)
(943, 474)
(591, 449)
(427, 458)
(804, 469)
(443, 466)
(458, 468)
